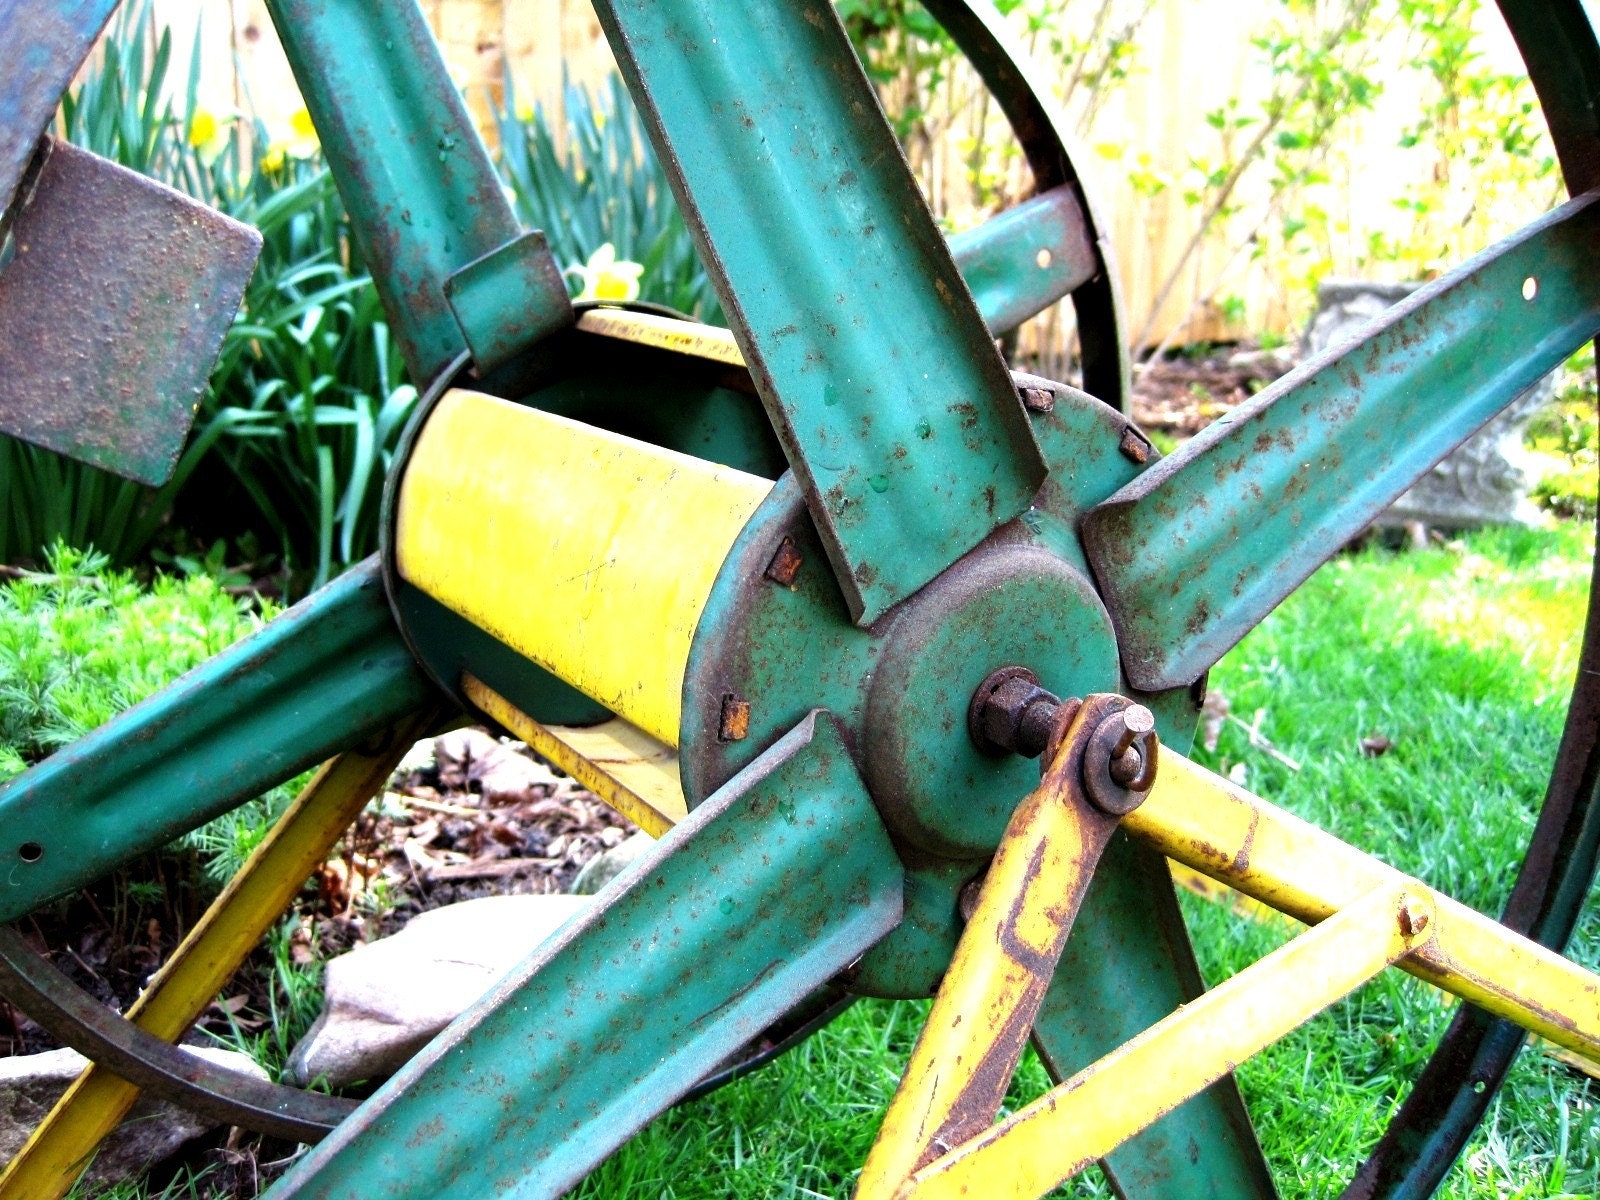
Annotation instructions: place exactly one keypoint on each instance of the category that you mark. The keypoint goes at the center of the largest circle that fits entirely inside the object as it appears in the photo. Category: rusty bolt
(1413, 917)
(1135, 446)
(785, 564)
(1039, 400)
(1011, 712)
(1119, 764)
(735, 723)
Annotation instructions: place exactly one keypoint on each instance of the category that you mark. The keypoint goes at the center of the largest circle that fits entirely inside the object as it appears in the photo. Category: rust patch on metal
(734, 725)
(1135, 446)
(785, 564)
(112, 312)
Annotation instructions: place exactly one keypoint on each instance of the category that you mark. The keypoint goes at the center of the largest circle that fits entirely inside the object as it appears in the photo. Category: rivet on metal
(735, 723)
(1413, 918)
(1135, 446)
(1038, 400)
(785, 564)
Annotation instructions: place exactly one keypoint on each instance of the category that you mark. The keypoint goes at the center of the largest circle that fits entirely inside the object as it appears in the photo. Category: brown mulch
(1182, 393)
(476, 817)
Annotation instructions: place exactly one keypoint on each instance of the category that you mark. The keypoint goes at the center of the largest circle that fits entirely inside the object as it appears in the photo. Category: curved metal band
(1039, 126)
(31, 983)
(1455, 1089)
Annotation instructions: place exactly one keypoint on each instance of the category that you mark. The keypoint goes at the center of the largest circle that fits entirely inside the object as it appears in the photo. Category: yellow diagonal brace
(621, 763)
(980, 1020)
(61, 1147)
(1095, 1111)
(1221, 830)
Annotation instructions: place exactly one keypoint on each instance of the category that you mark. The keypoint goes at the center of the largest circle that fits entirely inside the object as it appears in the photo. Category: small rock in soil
(387, 999)
(30, 1084)
(471, 760)
(603, 868)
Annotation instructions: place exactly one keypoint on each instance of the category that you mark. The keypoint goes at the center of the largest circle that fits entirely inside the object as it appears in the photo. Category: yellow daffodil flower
(203, 128)
(606, 277)
(301, 142)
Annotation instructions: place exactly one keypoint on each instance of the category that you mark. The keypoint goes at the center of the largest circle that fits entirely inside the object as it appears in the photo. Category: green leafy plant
(80, 642)
(601, 182)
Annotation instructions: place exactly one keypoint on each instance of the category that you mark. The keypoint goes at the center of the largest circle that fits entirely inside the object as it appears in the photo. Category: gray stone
(472, 759)
(1485, 480)
(154, 1130)
(603, 868)
(386, 1000)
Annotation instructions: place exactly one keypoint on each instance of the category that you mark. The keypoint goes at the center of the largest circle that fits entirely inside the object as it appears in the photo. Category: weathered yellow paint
(979, 1021)
(588, 552)
(1238, 903)
(1223, 831)
(60, 1148)
(1098, 1109)
(709, 342)
(626, 767)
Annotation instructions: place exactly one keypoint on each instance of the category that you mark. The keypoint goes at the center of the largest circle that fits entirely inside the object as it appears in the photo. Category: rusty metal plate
(113, 307)
(42, 45)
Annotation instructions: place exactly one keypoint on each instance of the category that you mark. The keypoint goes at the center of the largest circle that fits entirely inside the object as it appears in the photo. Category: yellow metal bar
(60, 1148)
(666, 333)
(1221, 830)
(624, 766)
(590, 553)
(981, 1018)
(1089, 1115)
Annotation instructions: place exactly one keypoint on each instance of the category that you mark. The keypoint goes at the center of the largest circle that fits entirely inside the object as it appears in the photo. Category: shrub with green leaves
(80, 642)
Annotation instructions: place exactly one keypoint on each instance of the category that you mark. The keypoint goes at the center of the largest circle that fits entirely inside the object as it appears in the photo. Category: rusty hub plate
(113, 307)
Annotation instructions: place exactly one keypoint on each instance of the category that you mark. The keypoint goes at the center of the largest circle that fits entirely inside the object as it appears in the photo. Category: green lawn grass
(1463, 657)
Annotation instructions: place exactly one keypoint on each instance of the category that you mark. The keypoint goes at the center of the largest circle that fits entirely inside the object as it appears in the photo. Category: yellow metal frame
(590, 553)
(979, 1023)
(665, 333)
(624, 766)
(1366, 916)
(64, 1142)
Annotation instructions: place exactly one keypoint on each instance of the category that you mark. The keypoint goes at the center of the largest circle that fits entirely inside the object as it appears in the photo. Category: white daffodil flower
(606, 277)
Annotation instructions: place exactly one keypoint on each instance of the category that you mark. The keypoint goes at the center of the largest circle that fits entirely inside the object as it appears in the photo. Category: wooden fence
(1193, 55)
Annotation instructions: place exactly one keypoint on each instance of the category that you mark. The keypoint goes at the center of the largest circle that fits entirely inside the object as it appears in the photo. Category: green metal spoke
(1192, 554)
(328, 674)
(894, 408)
(1021, 262)
(425, 202)
(1021, 90)
(1128, 965)
(768, 889)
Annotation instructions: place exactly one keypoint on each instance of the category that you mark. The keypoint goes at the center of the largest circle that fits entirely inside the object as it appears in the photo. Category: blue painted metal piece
(423, 197)
(1193, 553)
(892, 403)
(764, 892)
(323, 677)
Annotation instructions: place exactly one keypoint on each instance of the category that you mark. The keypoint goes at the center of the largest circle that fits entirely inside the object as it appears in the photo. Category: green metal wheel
(845, 564)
